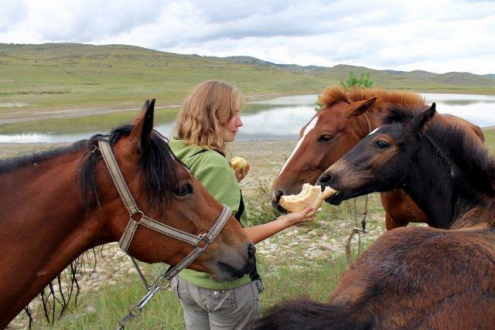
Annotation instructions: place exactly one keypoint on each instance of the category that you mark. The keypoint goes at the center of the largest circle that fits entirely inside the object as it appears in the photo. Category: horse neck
(44, 228)
(439, 188)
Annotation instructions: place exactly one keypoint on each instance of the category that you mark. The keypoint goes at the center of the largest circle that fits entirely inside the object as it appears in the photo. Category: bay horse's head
(164, 190)
(379, 162)
(331, 132)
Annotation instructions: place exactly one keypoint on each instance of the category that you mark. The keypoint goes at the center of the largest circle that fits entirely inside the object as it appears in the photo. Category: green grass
(104, 309)
(87, 76)
(76, 76)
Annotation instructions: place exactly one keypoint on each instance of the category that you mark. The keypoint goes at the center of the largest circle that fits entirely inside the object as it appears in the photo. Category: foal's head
(379, 162)
(395, 154)
(165, 190)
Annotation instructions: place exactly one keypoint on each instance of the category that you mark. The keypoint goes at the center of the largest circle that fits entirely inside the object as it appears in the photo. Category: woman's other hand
(241, 173)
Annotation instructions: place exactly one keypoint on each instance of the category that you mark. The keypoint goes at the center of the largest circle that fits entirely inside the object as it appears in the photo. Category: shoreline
(13, 114)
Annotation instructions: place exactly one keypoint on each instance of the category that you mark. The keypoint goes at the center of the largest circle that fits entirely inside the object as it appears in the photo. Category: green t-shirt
(214, 172)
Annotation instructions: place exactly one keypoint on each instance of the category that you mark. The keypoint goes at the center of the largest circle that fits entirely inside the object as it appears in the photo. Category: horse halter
(199, 242)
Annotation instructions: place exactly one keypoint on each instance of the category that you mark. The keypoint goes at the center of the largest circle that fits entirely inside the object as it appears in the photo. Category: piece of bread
(238, 163)
(310, 196)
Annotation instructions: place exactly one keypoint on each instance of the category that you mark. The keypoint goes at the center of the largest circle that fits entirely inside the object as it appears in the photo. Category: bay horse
(414, 277)
(57, 204)
(346, 118)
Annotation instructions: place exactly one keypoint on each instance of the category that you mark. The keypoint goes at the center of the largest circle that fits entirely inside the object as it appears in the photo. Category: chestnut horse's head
(379, 162)
(164, 190)
(332, 132)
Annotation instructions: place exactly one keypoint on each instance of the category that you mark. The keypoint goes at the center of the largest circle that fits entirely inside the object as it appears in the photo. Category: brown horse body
(45, 224)
(346, 118)
(416, 277)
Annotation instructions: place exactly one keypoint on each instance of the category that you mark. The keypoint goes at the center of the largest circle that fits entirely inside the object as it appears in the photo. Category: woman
(210, 118)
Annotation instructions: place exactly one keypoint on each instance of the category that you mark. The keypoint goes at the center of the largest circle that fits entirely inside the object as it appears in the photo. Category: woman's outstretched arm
(264, 231)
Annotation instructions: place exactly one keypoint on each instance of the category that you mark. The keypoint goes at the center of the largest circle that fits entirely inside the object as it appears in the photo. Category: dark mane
(160, 177)
(336, 94)
(19, 162)
(457, 142)
(157, 165)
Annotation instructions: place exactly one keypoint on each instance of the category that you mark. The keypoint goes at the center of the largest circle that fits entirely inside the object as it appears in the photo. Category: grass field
(38, 81)
(85, 77)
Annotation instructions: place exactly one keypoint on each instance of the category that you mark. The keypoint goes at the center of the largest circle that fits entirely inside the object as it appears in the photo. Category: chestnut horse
(414, 277)
(57, 204)
(346, 118)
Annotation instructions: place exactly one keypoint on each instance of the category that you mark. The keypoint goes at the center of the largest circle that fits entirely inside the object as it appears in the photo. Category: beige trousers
(218, 309)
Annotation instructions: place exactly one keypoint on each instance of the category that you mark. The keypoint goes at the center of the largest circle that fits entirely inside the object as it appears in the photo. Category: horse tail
(310, 315)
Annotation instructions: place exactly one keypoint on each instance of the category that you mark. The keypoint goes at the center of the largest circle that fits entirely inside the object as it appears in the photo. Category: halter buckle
(204, 241)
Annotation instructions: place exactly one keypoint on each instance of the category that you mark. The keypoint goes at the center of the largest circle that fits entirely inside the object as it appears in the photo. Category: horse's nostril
(278, 195)
(324, 179)
(251, 251)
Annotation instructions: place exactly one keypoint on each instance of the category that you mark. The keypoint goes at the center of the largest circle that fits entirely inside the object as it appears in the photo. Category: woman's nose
(239, 122)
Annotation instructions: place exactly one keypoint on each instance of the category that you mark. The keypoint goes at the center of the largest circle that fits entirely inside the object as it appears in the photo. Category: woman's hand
(261, 232)
(241, 173)
(306, 215)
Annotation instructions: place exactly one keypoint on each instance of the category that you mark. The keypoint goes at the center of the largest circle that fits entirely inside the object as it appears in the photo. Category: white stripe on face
(374, 131)
(308, 129)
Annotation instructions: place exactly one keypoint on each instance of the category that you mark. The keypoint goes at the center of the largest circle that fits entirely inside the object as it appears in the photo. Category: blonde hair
(206, 112)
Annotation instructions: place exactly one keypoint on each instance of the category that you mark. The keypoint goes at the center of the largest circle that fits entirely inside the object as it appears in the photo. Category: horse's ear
(419, 123)
(143, 126)
(358, 108)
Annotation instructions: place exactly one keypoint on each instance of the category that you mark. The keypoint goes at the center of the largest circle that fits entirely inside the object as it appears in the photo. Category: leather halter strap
(200, 242)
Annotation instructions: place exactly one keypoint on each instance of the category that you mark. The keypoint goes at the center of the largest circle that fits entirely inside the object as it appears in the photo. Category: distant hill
(414, 79)
(341, 72)
(291, 67)
(68, 75)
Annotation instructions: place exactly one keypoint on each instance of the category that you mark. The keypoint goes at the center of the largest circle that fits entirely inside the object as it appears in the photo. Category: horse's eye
(184, 190)
(325, 138)
(381, 144)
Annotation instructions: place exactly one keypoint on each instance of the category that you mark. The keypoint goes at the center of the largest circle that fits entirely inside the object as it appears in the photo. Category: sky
(432, 35)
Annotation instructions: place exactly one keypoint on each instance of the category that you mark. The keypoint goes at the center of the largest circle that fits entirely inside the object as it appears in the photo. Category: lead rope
(356, 230)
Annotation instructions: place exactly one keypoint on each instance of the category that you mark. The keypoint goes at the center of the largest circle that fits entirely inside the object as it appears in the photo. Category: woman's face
(232, 127)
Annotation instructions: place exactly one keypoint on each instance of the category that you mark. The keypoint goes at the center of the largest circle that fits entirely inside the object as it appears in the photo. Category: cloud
(12, 13)
(443, 35)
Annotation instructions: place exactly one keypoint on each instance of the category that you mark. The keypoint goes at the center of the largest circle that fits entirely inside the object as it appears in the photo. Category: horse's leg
(400, 209)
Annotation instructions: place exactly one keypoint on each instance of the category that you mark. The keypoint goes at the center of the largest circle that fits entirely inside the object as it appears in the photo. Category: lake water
(276, 119)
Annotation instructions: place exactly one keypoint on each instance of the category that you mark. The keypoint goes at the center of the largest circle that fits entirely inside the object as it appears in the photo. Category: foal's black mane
(157, 165)
(460, 145)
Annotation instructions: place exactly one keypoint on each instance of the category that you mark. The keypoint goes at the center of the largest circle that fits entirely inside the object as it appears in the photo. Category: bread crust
(310, 196)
